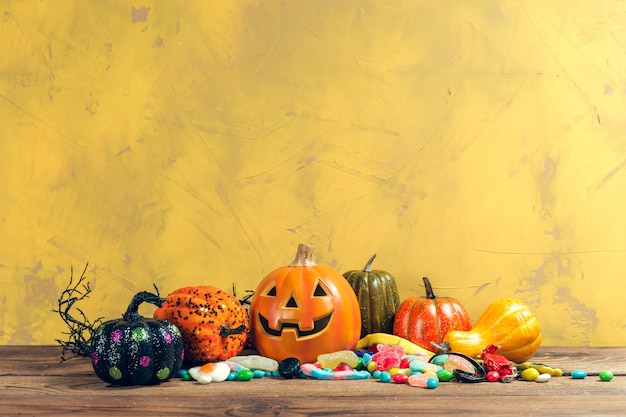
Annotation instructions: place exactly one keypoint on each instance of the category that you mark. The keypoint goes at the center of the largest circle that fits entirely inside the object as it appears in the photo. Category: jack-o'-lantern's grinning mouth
(318, 325)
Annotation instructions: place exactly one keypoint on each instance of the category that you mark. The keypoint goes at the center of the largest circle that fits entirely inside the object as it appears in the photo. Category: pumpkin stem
(368, 265)
(304, 256)
(132, 312)
(226, 331)
(429, 289)
(80, 329)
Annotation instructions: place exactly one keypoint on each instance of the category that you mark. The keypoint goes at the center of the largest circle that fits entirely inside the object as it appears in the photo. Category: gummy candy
(388, 357)
(422, 380)
(313, 371)
(457, 362)
(210, 372)
(333, 360)
(256, 362)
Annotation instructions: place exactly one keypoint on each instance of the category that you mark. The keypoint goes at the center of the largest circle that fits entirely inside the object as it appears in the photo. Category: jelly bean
(400, 378)
(371, 367)
(289, 367)
(579, 374)
(605, 375)
(492, 376)
(393, 371)
(405, 362)
(258, 373)
(245, 375)
(543, 378)
(255, 362)
(529, 374)
(366, 359)
(210, 372)
(332, 360)
(557, 372)
(385, 376)
(359, 366)
(181, 373)
(232, 376)
(444, 376)
(376, 374)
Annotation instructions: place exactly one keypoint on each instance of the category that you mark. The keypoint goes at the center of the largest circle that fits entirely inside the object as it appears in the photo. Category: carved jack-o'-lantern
(303, 310)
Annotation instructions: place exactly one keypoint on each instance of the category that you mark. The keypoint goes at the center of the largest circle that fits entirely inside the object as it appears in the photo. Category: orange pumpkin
(425, 321)
(214, 325)
(303, 310)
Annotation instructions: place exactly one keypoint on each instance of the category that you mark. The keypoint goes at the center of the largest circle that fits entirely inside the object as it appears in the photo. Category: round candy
(289, 368)
(432, 383)
(606, 375)
(579, 374)
(493, 376)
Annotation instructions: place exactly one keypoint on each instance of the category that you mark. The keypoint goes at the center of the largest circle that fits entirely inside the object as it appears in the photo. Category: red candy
(405, 362)
(343, 367)
(498, 363)
(493, 376)
(400, 378)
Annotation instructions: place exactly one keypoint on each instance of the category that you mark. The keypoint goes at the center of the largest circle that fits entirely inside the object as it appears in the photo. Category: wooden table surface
(33, 382)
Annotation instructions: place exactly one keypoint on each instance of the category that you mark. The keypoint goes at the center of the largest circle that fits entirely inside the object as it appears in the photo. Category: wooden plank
(34, 382)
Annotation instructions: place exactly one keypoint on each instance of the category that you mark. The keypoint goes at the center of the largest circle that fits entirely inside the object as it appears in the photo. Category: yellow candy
(393, 371)
(530, 374)
(371, 367)
(332, 360)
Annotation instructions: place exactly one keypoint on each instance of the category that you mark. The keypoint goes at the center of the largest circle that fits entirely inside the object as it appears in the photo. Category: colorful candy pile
(382, 362)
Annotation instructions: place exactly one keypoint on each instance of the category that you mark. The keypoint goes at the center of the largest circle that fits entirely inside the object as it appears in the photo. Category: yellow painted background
(179, 143)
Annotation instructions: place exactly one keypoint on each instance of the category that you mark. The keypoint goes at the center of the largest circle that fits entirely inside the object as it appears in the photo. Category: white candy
(256, 362)
(219, 373)
(543, 378)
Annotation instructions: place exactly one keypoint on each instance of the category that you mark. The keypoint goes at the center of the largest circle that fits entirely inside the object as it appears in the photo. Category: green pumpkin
(378, 298)
(135, 350)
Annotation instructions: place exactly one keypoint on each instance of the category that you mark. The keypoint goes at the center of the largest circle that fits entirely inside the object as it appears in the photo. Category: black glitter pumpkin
(135, 350)
(132, 350)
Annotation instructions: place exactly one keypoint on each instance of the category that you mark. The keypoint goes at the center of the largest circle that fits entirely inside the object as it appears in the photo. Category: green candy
(605, 375)
(245, 375)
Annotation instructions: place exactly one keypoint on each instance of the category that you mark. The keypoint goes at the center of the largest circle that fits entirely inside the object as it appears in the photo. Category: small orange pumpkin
(426, 320)
(214, 325)
(303, 310)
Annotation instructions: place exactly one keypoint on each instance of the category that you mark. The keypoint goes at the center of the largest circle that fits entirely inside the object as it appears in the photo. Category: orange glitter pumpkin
(303, 310)
(214, 325)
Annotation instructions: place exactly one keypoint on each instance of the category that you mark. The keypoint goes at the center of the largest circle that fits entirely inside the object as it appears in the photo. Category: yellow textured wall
(479, 143)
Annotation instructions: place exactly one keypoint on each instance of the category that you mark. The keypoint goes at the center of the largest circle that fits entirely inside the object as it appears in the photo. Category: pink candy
(388, 357)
